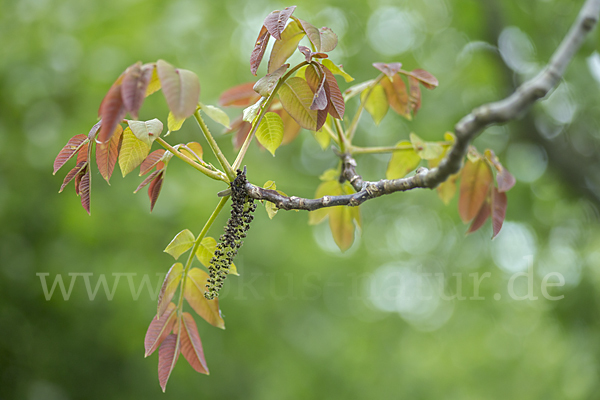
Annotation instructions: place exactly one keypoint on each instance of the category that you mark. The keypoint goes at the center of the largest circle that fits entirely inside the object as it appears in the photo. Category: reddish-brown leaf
(504, 178)
(275, 21)
(84, 190)
(72, 173)
(71, 148)
(154, 189)
(396, 94)
(148, 179)
(133, 88)
(319, 101)
(426, 79)
(107, 153)
(414, 94)
(167, 358)
(306, 51)
(481, 217)
(476, 178)
(239, 96)
(112, 110)
(151, 161)
(80, 175)
(313, 34)
(191, 345)
(259, 49)
(180, 87)
(499, 203)
(159, 329)
(337, 106)
(168, 288)
(83, 153)
(240, 129)
(390, 69)
(329, 39)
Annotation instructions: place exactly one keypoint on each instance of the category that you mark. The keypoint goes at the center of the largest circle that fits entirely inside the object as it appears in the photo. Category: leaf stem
(387, 149)
(217, 175)
(215, 147)
(343, 140)
(361, 107)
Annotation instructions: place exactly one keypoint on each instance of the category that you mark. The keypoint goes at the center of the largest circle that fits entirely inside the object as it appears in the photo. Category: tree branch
(466, 130)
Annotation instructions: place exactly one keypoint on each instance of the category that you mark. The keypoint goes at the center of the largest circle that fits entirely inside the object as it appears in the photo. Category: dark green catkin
(242, 208)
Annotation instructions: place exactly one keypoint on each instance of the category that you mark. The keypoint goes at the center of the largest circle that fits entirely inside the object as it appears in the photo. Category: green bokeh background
(303, 320)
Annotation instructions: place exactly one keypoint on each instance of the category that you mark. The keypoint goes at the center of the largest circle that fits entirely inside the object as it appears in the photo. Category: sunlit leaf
(167, 358)
(389, 69)
(259, 49)
(146, 131)
(265, 85)
(112, 111)
(181, 243)
(499, 203)
(375, 102)
(481, 217)
(329, 40)
(195, 286)
(174, 124)
(270, 132)
(216, 114)
(402, 162)
(426, 79)
(296, 98)
(134, 87)
(396, 95)
(476, 178)
(107, 153)
(151, 161)
(284, 48)
(180, 87)
(159, 329)
(71, 148)
(168, 288)
(193, 150)
(191, 346)
(337, 70)
(426, 150)
(275, 21)
(133, 152)
(239, 96)
(206, 251)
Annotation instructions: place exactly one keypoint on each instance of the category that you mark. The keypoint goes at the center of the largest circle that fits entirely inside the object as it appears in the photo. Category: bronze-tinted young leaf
(112, 110)
(84, 190)
(337, 107)
(193, 150)
(259, 49)
(329, 40)
(191, 345)
(426, 79)
(296, 98)
(390, 69)
(195, 286)
(476, 178)
(148, 179)
(265, 85)
(316, 81)
(402, 162)
(83, 153)
(71, 174)
(151, 161)
(499, 203)
(71, 148)
(397, 96)
(80, 175)
(284, 48)
(159, 329)
(154, 189)
(168, 288)
(241, 129)
(133, 152)
(481, 217)
(134, 86)
(375, 102)
(307, 53)
(167, 358)
(504, 179)
(181, 243)
(239, 96)
(180, 87)
(414, 94)
(275, 21)
(107, 153)
(313, 34)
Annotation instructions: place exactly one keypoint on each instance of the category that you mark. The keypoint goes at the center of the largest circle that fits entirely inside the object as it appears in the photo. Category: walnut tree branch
(466, 130)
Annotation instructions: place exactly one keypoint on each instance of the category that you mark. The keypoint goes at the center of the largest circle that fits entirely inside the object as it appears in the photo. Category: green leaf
(206, 251)
(250, 113)
(337, 70)
(402, 162)
(375, 102)
(296, 98)
(322, 138)
(174, 124)
(195, 286)
(168, 288)
(216, 114)
(426, 150)
(154, 84)
(270, 132)
(327, 188)
(476, 178)
(180, 87)
(271, 208)
(146, 131)
(284, 48)
(133, 152)
(446, 190)
(181, 243)
(267, 83)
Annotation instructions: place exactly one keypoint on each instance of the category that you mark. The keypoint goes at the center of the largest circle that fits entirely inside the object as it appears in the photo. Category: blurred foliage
(303, 320)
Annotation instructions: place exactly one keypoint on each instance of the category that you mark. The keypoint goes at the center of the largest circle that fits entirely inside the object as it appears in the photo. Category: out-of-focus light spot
(547, 126)
(517, 50)
(527, 162)
(513, 247)
(560, 105)
(30, 10)
(65, 53)
(106, 64)
(465, 55)
(416, 231)
(593, 63)
(313, 160)
(392, 31)
(563, 260)
(437, 15)
(334, 18)
(442, 51)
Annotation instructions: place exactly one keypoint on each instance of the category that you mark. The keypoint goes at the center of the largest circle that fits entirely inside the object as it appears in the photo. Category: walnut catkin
(238, 224)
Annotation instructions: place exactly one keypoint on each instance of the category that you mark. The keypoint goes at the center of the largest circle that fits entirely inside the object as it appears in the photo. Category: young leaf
(390, 69)
(476, 178)
(249, 114)
(337, 70)
(327, 188)
(72, 173)
(337, 107)
(414, 94)
(446, 190)
(174, 124)
(112, 110)
(499, 203)
(356, 89)
(159, 329)
(504, 178)
(134, 87)
(107, 153)
(270, 132)
(148, 179)
(426, 79)
(195, 286)
(322, 138)
(180, 87)
(426, 150)
(154, 189)
(296, 98)
(151, 161)
(316, 81)
(341, 223)
(270, 208)
(329, 40)
(481, 217)
(275, 21)
(146, 131)
(239, 96)
(313, 34)
(133, 152)
(84, 190)
(167, 358)
(193, 150)
(375, 102)
(154, 84)
(191, 346)
(397, 96)
(267, 83)
(168, 288)
(291, 129)
(71, 148)
(284, 48)
(259, 49)
(216, 114)
(206, 251)
(181, 243)
(402, 162)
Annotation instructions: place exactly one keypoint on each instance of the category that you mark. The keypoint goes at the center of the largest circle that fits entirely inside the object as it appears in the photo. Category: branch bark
(465, 130)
